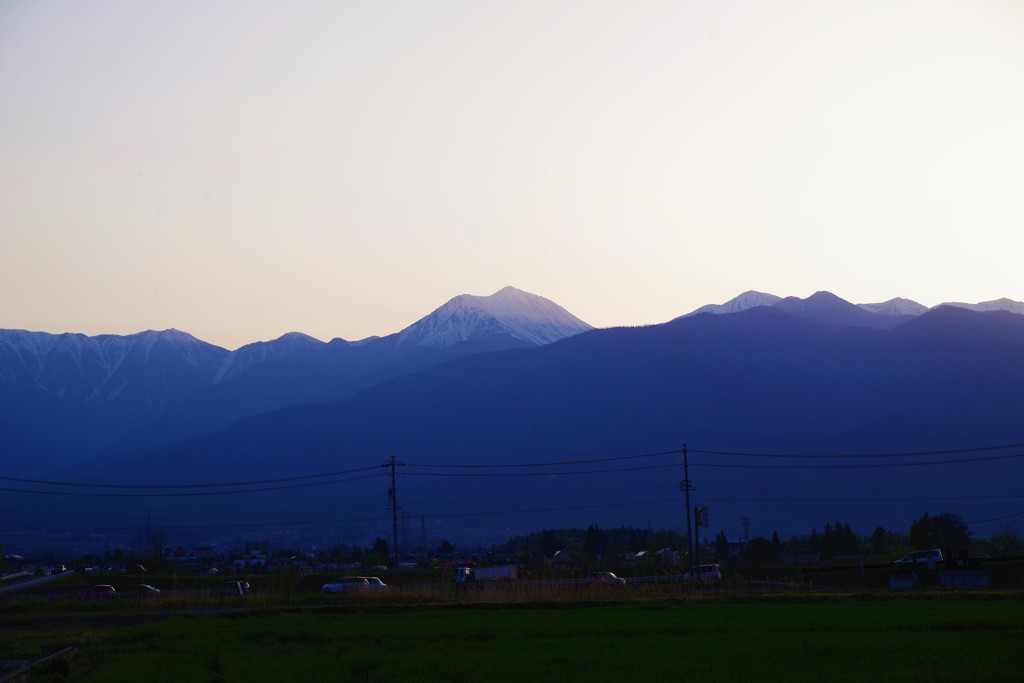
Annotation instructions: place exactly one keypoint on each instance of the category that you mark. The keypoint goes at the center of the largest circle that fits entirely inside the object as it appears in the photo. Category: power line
(907, 454)
(535, 474)
(997, 519)
(225, 525)
(183, 494)
(551, 463)
(860, 467)
(867, 499)
(186, 486)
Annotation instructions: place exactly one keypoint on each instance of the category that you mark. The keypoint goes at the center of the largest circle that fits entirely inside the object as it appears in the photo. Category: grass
(702, 637)
(517, 631)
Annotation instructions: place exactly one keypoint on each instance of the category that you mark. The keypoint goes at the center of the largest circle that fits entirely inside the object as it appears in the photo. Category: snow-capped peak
(895, 307)
(748, 299)
(1003, 304)
(509, 311)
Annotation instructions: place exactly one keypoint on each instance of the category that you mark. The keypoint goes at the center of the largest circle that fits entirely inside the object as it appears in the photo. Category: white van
(919, 558)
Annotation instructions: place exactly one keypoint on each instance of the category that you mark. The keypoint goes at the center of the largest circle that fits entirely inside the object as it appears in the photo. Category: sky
(239, 170)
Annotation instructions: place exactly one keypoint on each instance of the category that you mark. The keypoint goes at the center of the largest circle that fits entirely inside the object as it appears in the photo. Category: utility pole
(684, 485)
(700, 519)
(696, 540)
(393, 505)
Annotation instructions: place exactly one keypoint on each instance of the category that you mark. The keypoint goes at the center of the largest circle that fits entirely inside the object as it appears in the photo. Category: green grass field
(854, 637)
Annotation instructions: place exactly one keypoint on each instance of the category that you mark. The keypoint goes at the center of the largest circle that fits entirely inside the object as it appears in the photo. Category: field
(705, 636)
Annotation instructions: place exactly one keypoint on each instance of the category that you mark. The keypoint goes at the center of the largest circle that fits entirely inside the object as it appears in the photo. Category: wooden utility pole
(685, 486)
(393, 506)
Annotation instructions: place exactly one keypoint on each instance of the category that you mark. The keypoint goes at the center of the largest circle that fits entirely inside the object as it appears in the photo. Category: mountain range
(512, 380)
(67, 397)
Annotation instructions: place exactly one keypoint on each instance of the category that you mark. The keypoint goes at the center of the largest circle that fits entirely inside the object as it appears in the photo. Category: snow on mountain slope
(895, 307)
(748, 299)
(527, 317)
(94, 368)
(1003, 304)
(22, 353)
(251, 354)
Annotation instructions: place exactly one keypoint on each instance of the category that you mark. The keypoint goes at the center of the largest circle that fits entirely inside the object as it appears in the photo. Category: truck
(469, 573)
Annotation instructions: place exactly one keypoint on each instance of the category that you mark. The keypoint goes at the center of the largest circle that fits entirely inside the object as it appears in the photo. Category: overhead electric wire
(534, 474)
(856, 467)
(182, 494)
(997, 519)
(553, 463)
(866, 499)
(188, 486)
(490, 513)
(550, 463)
(907, 454)
(225, 525)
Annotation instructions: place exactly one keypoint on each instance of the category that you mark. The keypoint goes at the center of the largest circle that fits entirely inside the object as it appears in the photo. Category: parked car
(919, 558)
(231, 589)
(347, 584)
(143, 590)
(603, 579)
(103, 590)
(704, 572)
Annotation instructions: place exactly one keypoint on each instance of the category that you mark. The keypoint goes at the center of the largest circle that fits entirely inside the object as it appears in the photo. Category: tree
(759, 552)
(445, 548)
(549, 544)
(339, 552)
(944, 530)
(663, 538)
(157, 539)
(1007, 542)
(879, 541)
(721, 547)
(635, 543)
(378, 553)
(595, 542)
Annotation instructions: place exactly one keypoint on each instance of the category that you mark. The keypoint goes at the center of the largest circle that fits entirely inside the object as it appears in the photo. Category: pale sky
(239, 170)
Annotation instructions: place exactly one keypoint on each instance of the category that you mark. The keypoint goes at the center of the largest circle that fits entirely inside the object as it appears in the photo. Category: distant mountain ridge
(67, 397)
(896, 307)
(742, 302)
(1002, 304)
(764, 380)
(53, 388)
(102, 367)
(259, 352)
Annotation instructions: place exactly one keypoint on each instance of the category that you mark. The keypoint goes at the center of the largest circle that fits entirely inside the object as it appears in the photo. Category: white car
(919, 558)
(347, 584)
